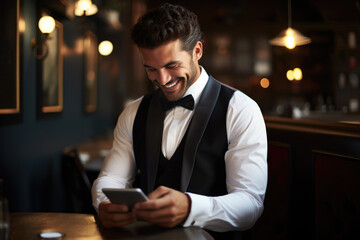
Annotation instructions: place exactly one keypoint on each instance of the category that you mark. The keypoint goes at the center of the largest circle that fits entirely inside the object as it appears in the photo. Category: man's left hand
(166, 207)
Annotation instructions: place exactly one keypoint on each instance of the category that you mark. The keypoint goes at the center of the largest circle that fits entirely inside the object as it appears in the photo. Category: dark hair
(167, 23)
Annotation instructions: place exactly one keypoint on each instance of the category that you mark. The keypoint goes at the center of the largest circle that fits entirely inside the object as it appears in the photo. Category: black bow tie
(186, 102)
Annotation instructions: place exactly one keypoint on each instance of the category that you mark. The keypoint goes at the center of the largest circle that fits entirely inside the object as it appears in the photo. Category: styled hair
(167, 23)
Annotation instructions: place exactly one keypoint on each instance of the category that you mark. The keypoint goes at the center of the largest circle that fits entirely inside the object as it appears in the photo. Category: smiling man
(197, 147)
(171, 68)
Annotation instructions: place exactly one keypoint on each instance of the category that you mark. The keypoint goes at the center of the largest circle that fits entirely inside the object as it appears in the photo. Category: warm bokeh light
(22, 25)
(264, 83)
(46, 24)
(297, 74)
(83, 5)
(290, 42)
(290, 75)
(290, 38)
(90, 11)
(105, 48)
(222, 50)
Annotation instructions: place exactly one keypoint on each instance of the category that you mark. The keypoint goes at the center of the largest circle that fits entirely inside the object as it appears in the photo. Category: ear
(198, 51)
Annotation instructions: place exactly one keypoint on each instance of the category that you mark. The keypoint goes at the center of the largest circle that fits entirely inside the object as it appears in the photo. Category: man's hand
(166, 207)
(115, 215)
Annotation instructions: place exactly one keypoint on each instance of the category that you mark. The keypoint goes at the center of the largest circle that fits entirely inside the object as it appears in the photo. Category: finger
(116, 219)
(114, 215)
(120, 208)
(121, 219)
(154, 214)
(155, 204)
(169, 210)
(113, 207)
(165, 217)
(157, 199)
(159, 192)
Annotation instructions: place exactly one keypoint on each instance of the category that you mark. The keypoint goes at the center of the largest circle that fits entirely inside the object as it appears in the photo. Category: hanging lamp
(290, 37)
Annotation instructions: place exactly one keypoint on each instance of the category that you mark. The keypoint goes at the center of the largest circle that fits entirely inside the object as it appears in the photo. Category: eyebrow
(166, 65)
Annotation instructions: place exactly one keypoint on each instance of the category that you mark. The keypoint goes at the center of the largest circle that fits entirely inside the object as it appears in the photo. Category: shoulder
(127, 116)
(131, 106)
(240, 100)
(243, 109)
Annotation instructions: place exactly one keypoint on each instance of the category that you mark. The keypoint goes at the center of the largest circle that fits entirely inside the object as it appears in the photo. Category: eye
(172, 66)
(150, 69)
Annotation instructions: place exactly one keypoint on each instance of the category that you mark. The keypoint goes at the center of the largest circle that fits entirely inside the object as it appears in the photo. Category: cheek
(151, 75)
(180, 72)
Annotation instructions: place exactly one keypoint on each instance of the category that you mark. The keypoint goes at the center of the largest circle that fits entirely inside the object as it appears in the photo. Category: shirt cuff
(199, 212)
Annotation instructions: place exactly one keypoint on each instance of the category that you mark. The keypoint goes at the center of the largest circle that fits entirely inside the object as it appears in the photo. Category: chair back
(77, 186)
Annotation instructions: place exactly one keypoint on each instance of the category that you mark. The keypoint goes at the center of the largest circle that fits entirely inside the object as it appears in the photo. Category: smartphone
(127, 196)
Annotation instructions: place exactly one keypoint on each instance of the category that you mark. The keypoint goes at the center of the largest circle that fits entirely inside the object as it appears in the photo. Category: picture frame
(11, 62)
(90, 72)
(50, 76)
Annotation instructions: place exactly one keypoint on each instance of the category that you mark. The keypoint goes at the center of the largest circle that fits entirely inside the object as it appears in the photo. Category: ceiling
(271, 11)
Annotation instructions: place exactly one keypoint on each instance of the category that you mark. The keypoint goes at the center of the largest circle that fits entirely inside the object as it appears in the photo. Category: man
(203, 164)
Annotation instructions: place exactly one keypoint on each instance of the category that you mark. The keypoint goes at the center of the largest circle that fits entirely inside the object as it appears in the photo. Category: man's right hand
(115, 215)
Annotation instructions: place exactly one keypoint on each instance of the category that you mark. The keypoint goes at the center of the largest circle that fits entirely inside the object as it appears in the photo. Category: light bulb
(290, 42)
(105, 48)
(46, 24)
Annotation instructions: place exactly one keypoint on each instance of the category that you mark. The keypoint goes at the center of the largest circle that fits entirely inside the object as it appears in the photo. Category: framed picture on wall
(50, 75)
(10, 62)
(90, 71)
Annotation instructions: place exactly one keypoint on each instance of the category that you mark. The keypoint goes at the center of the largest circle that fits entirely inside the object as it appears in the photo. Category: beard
(185, 82)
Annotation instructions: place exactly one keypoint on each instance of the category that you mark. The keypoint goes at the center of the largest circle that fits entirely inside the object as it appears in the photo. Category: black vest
(203, 165)
(203, 147)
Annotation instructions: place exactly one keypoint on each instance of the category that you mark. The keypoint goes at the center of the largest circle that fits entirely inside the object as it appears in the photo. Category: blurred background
(319, 80)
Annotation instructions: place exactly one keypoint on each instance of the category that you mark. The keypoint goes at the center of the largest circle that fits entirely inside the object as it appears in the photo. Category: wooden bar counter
(313, 179)
(28, 226)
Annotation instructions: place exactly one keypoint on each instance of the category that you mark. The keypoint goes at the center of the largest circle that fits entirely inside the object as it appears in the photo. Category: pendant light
(290, 37)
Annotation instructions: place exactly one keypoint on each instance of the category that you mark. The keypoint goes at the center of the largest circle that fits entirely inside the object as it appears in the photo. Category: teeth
(171, 85)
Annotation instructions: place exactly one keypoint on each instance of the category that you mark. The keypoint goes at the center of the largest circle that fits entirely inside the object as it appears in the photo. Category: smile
(170, 85)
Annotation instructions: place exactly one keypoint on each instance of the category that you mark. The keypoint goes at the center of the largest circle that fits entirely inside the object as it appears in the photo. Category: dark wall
(30, 151)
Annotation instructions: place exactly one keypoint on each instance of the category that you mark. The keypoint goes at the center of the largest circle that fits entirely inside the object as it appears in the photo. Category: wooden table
(27, 226)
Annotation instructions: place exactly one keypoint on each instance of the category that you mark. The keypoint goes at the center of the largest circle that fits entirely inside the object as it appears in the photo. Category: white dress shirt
(245, 159)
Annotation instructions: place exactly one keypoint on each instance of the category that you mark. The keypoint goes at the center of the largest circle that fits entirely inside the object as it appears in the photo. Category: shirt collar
(198, 86)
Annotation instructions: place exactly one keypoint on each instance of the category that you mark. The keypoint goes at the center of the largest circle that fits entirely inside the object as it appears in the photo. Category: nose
(163, 76)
